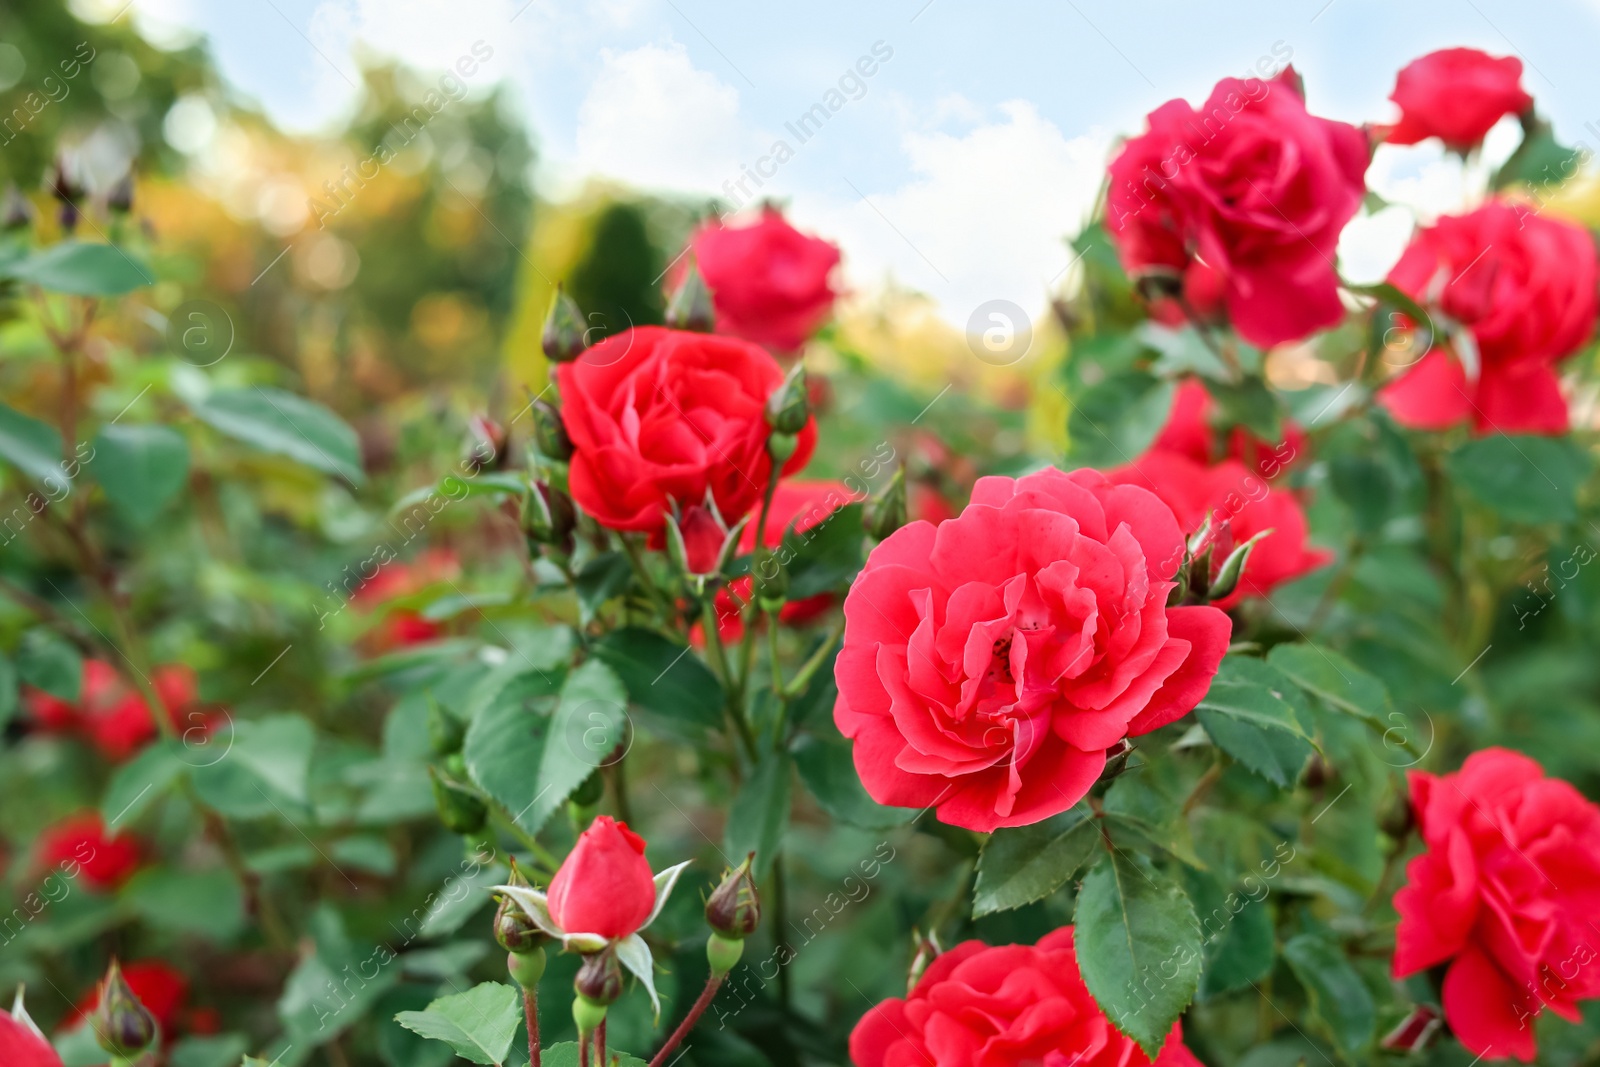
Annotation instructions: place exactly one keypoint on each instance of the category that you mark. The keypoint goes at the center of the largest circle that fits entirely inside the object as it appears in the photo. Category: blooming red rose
(604, 886)
(799, 503)
(1505, 894)
(80, 845)
(1240, 505)
(1002, 1006)
(989, 662)
(1456, 95)
(403, 625)
(22, 1045)
(110, 712)
(1525, 284)
(769, 282)
(1253, 185)
(660, 417)
(160, 987)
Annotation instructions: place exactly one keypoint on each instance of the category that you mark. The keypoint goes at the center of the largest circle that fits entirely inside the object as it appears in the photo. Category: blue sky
(971, 151)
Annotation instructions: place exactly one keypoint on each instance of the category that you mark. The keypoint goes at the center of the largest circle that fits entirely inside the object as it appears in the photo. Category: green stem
(719, 659)
(657, 597)
(780, 931)
(802, 678)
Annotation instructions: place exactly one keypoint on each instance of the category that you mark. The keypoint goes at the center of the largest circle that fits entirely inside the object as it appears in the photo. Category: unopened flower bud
(563, 339)
(445, 731)
(1232, 569)
(690, 307)
(789, 406)
(550, 433)
(123, 1026)
(460, 809)
(599, 980)
(120, 197)
(927, 950)
(486, 443)
(15, 211)
(734, 909)
(886, 512)
(548, 517)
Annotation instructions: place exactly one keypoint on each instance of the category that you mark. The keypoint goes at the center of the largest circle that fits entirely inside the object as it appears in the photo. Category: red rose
(1456, 95)
(79, 844)
(989, 662)
(111, 713)
(1525, 285)
(22, 1045)
(604, 886)
(662, 416)
(403, 626)
(160, 988)
(1253, 185)
(769, 282)
(1240, 505)
(805, 505)
(1505, 893)
(1000, 1006)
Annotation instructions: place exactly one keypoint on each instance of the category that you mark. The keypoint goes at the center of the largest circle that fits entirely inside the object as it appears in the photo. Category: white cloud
(653, 119)
(984, 217)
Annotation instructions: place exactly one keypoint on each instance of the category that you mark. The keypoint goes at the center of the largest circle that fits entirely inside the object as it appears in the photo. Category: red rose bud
(513, 929)
(1415, 1032)
(886, 512)
(460, 809)
(734, 909)
(690, 307)
(548, 517)
(604, 887)
(486, 443)
(789, 406)
(549, 433)
(563, 338)
(21, 1042)
(122, 1026)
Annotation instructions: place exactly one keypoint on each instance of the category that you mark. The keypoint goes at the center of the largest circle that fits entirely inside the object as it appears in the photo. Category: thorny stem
(530, 1010)
(702, 1002)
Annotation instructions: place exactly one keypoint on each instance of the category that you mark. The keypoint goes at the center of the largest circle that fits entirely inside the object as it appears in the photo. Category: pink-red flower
(769, 282)
(1002, 1006)
(605, 886)
(1505, 893)
(662, 418)
(1189, 431)
(1254, 186)
(1525, 285)
(402, 625)
(81, 847)
(989, 662)
(1241, 505)
(1456, 95)
(111, 713)
(21, 1042)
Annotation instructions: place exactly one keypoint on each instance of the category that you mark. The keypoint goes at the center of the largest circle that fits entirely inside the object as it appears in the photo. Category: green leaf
(1333, 679)
(8, 690)
(220, 1050)
(1138, 946)
(827, 769)
(1251, 404)
(1247, 716)
(83, 269)
(479, 1024)
(140, 781)
(1020, 865)
(140, 468)
(285, 424)
(32, 446)
(1539, 160)
(1523, 478)
(335, 983)
(760, 813)
(663, 676)
(826, 556)
(530, 763)
(47, 661)
(1237, 930)
(266, 771)
(565, 1054)
(602, 578)
(1338, 995)
(209, 903)
(1115, 420)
